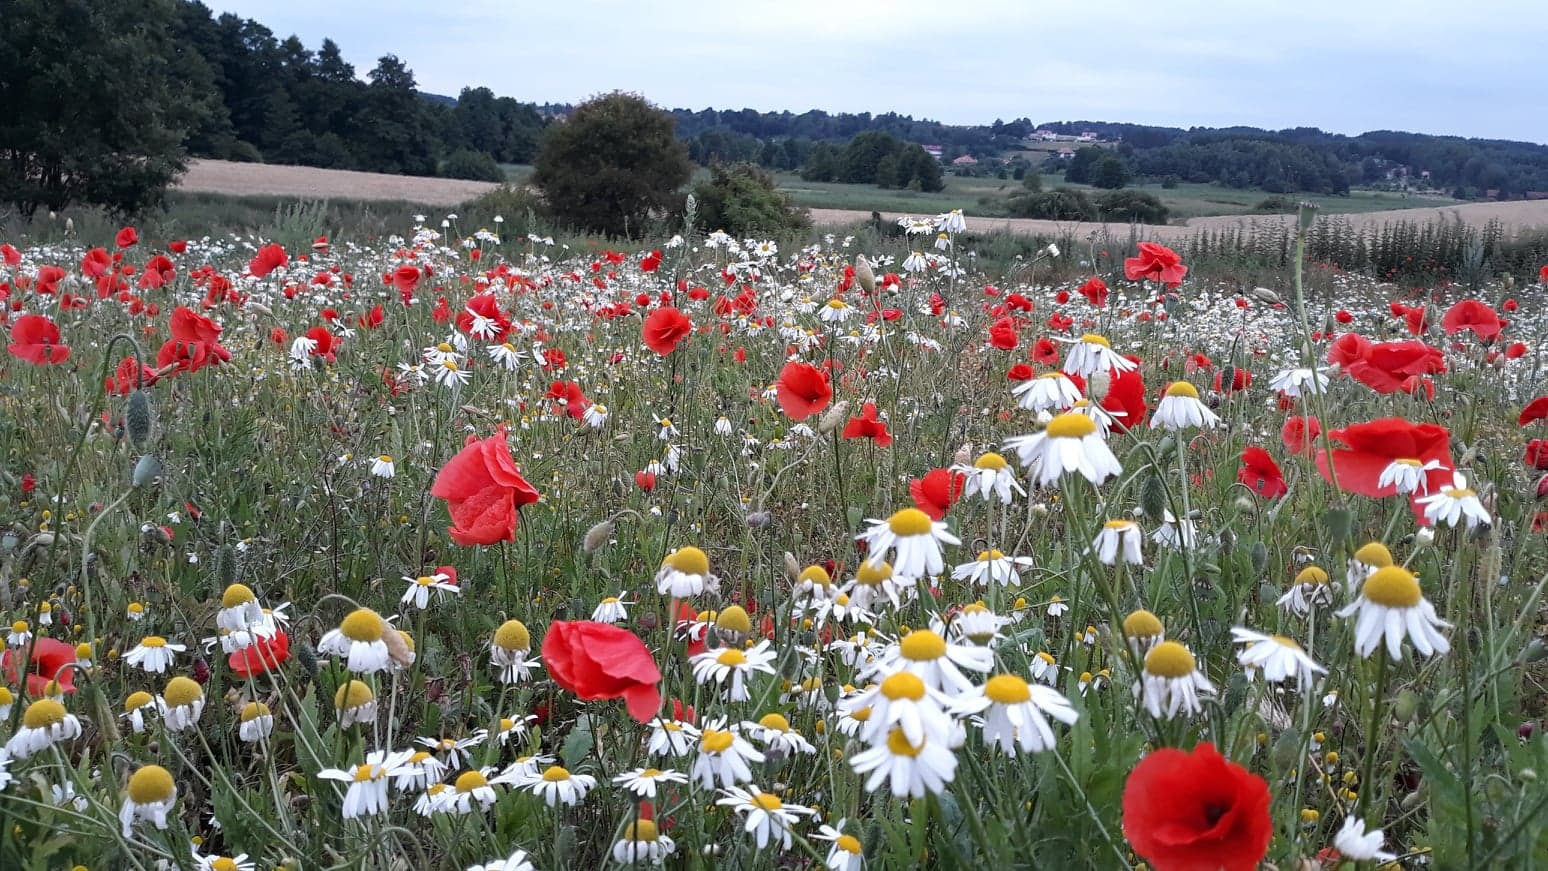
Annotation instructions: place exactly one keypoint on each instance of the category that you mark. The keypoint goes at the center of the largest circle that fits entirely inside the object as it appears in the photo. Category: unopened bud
(1098, 385)
(864, 276)
(1406, 707)
(792, 567)
(834, 418)
(137, 419)
(1264, 295)
(147, 471)
(597, 537)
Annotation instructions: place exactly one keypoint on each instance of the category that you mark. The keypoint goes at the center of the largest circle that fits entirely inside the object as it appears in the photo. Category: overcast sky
(1472, 69)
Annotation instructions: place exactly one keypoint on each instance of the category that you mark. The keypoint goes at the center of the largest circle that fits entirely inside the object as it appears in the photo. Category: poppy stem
(1371, 737)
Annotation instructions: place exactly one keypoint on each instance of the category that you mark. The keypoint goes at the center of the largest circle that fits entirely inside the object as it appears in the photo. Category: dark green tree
(611, 165)
(1110, 173)
(741, 199)
(395, 127)
(94, 109)
(1080, 168)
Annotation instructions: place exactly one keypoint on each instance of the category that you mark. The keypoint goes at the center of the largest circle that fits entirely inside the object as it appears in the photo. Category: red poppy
(1241, 379)
(484, 307)
(1472, 315)
(645, 480)
(1417, 319)
(1020, 372)
(10, 255)
(650, 262)
(1126, 394)
(664, 329)
(1535, 410)
(96, 263)
(1155, 263)
(483, 490)
(1002, 334)
(126, 238)
(262, 656)
(35, 338)
(1260, 473)
(1044, 351)
(1348, 348)
(269, 258)
(324, 344)
(1373, 446)
(600, 661)
(195, 342)
(1343, 317)
(1387, 367)
(1537, 455)
(803, 390)
(1190, 811)
(867, 426)
(1516, 351)
(125, 379)
(178, 246)
(48, 279)
(159, 272)
(937, 491)
(1299, 434)
(372, 319)
(1095, 291)
(51, 660)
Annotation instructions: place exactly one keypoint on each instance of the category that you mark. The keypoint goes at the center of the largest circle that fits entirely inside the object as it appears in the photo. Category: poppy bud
(833, 418)
(1153, 497)
(1098, 385)
(1406, 707)
(137, 418)
(147, 471)
(1287, 749)
(1542, 487)
(597, 537)
(864, 276)
(1259, 554)
(792, 567)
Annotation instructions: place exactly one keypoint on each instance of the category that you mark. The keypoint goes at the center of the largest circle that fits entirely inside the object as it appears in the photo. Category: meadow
(457, 545)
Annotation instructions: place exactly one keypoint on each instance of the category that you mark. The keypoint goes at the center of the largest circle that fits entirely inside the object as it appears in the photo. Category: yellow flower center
(1046, 657)
(137, 700)
(922, 645)
(1007, 689)
(641, 830)
(732, 657)
(899, 745)
(733, 619)
(1143, 624)
(909, 521)
(1287, 642)
(181, 692)
(767, 802)
(849, 844)
(136, 608)
(902, 685)
(367, 772)
(872, 574)
(988, 555)
(468, 781)
(385, 458)
(513, 635)
(1392, 586)
(1119, 525)
(253, 710)
(1453, 493)
(362, 624)
(556, 774)
(991, 461)
(1182, 388)
(425, 580)
(1311, 575)
(1071, 426)
(1374, 554)
(223, 863)
(352, 695)
(1169, 659)
(19, 627)
(444, 347)
(836, 303)
(1094, 339)
(777, 722)
(83, 651)
(1409, 461)
(43, 713)
(689, 560)
(716, 741)
(153, 641)
(236, 594)
(815, 575)
(151, 784)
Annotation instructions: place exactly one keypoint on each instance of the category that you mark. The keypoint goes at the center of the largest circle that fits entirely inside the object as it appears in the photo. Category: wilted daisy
(359, 638)
(774, 731)
(557, 786)
(355, 702)
(685, 573)
(239, 609)
(723, 756)
(150, 796)
(813, 585)
(768, 818)
(1180, 408)
(611, 610)
(911, 769)
(1070, 443)
(1119, 539)
(643, 841)
(1051, 391)
(1408, 475)
(846, 852)
(44, 723)
(1392, 606)
(1370, 557)
(976, 623)
(646, 782)
(1015, 713)
(136, 706)
(730, 667)
(1353, 842)
(1091, 354)
(7, 699)
(915, 538)
(992, 567)
(180, 703)
(1278, 657)
(368, 781)
(1171, 682)
(382, 466)
(1294, 382)
(422, 587)
(508, 652)
(671, 737)
(989, 476)
(256, 722)
(875, 581)
(517, 861)
(1309, 590)
(1457, 502)
(135, 611)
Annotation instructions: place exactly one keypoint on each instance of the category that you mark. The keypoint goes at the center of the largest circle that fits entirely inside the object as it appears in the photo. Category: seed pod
(863, 274)
(137, 419)
(1259, 554)
(1153, 497)
(147, 471)
(1287, 750)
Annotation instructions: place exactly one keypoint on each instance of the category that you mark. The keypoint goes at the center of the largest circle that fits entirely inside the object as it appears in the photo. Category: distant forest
(277, 101)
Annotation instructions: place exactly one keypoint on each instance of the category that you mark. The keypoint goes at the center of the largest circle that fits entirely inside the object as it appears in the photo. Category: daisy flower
(978, 624)
(989, 476)
(470, 788)
(44, 723)
(611, 610)
(505, 356)
(7, 699)
(456, 749)
(646, 782)
(1091, 354)
(420, 589)
(1407, 475)
(422, 771)
(1180, 408)
(20, 635)
(239, 609)
(903, 701)
(517, 861)
(1051, 391)
(1454, 503)
(685, 573)
(925, 653)
(359, 639)
(1370, 557)
(846, 854)
(355, 702)
(910, 769)
(448, 374)
(915, 538)
(1070, 443)
(730, 667)
(768, 818)
(839, 609)
(672, 738)
(1015, 713)
(383, 466)
(512, 727)
(595, 415)
(876, 581)
(1295, 382)
(239, 862)
(1278, 657)
(775, 733)
(835, 312)
(151, 794)
(643, 841)
(180, 703)
(557, 786)
(255, 723)
(368, 781)
(1391, 606)
(508, 652)
(1355, 843)
(135, 611)
(1309, 590)
(135, 708)
(1119, 538)
(992, 567)
(1171, 682)
(723, 756)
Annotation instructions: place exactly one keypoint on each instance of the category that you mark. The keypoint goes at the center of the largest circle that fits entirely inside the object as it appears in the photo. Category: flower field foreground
(455, 551)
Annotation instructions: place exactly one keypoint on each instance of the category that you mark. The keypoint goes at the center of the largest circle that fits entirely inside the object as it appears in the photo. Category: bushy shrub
(741, 200)
(469, 164)
(1062, 204)
(1131, 206)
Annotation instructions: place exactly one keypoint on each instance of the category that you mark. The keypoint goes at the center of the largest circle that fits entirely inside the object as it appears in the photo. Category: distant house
(1088, 136)
(934, 151)
(1066, 153)
(1045, 136)
(965, 160)
(1537, 195)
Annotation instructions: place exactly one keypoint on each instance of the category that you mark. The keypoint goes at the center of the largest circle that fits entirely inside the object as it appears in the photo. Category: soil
(258, 179)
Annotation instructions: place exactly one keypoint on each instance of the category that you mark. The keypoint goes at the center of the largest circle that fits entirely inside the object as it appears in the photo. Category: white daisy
(643, 841)
(900, 701)
(154, 654)
(723, 756)
(1180, 408)
(1278, 657)
(990, 476)
(239, 609)
(611, 610)
(774, 731)
(911, 769)
(383, 466)
(1091, 354)
(992, 567)
(646, 782)
(422, 587)
(924, 652)
(44, 723)
(1355, 843)
(731, 666)
(151, 793)
(1309, 590)
(1295, 382)
(1119, 539)
(557, 786)
(685, 573)
(1070, 443)
(368, 781)
(1051, 391)
(1170, 683)
(358, 638)
(672, 738)
(516, 861)
(1454, 503)
(916, 539)
(1391, 606)
(768, 818)
(1015, 713)
(255, 723)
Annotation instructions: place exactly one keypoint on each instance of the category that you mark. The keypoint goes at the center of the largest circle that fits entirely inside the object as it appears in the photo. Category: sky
(1469, 69)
